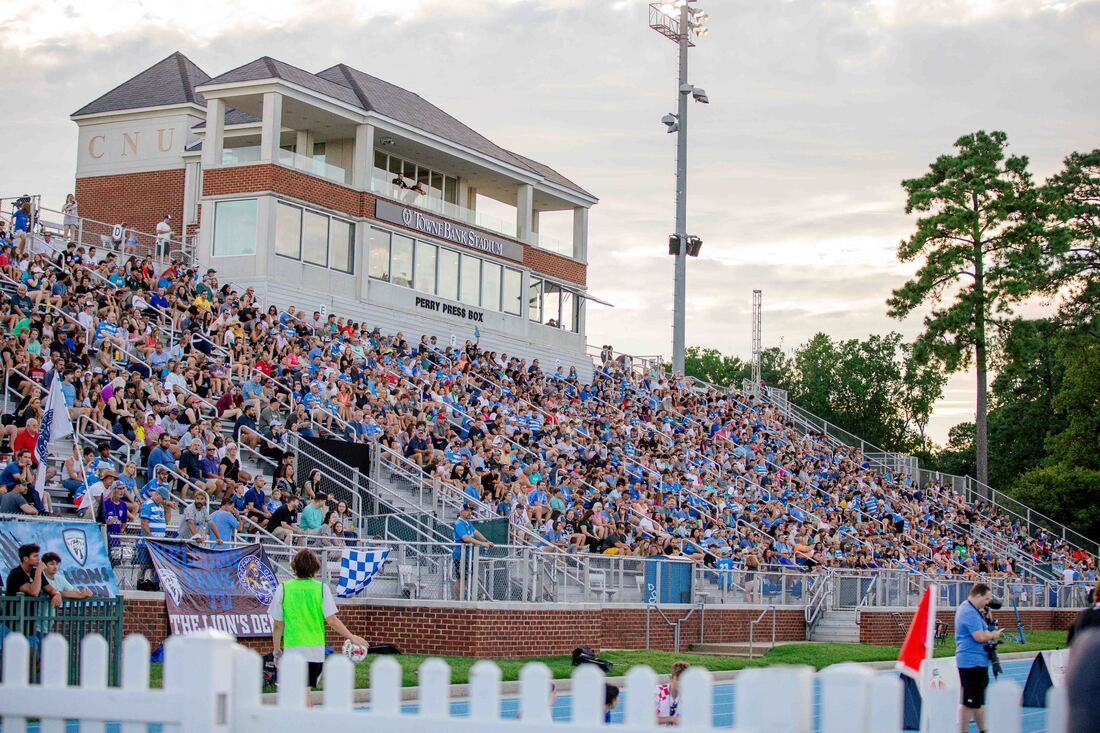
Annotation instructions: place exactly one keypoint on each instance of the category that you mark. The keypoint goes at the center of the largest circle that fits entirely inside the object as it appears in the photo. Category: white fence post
(199, 668)
(887, 698)
(93, 673)
(1057, 710)
(939, 710)
(845, 704)
(534, 689)
(775, 699)
(485, 691)
(55, 676)
(588, 695)
(135, 673)
(698, 706)
(435, 688)
(640, 712)
(385, 686)
(17, 669)
(1002, 707)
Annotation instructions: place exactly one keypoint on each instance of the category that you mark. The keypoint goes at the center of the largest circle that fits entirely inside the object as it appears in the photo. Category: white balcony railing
(251, 154)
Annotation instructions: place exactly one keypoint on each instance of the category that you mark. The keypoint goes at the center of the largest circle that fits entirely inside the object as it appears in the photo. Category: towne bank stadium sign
(391, 212)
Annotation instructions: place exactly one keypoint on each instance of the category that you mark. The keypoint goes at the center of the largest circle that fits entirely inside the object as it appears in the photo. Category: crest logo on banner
(76, 542)
(170, 582)
(257, 578)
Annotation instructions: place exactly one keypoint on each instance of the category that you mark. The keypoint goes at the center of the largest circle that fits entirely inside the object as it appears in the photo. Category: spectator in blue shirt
(465, 534)
(223, 524)
(971, 657)
(160, 455)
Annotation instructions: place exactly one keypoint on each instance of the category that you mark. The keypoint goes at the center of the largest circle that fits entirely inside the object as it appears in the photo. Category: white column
(271, 127)
(580, 233)
(534, 221)
(525, 197)
(362, 157)
(463, 193)
(214, 140)
(303, 143)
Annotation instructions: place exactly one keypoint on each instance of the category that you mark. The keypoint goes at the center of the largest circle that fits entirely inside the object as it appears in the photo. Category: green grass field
(817, 655)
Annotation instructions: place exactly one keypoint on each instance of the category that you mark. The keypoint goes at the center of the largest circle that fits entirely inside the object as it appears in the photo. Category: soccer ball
(354, 652)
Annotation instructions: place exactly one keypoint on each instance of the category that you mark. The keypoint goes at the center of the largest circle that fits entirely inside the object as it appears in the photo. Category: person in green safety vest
(300, 609)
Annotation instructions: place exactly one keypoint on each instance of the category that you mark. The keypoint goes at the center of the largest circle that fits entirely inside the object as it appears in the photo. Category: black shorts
(314, 673)
(974, 681)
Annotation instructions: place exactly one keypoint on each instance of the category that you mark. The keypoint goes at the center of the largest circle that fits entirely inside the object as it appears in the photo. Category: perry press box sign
(84, 561)
(228, 590)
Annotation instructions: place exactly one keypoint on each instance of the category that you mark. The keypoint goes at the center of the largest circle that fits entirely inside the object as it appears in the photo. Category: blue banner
(228, 590)
(84, 561)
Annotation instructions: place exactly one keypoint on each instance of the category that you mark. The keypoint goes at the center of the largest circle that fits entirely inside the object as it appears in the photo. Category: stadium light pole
(678, 20)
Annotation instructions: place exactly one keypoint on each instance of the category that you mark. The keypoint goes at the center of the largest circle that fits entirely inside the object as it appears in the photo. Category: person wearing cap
(96, 490)
(466, 537)
(158, 481)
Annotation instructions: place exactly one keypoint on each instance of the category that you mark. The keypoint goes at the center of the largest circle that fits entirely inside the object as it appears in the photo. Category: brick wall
(138, 199)
(289, 182)
(508, 631)
(885, 627)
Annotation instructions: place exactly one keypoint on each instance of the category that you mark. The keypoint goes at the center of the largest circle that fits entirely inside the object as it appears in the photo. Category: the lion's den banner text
(228, 590)
(84, 561)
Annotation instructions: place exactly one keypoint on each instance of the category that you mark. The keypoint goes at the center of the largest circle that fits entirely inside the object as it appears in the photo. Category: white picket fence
(213, 685)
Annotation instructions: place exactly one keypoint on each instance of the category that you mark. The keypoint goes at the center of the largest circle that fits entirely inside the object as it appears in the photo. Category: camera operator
(992, 625)
(972, 635)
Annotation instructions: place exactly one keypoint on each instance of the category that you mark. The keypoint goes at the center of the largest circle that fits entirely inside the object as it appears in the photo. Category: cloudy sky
(818, 109)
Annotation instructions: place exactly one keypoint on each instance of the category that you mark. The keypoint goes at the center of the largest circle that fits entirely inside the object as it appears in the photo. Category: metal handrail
(752, 628)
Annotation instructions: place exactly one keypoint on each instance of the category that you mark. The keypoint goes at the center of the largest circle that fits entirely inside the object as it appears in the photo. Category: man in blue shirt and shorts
(465, 534)
(971, 657)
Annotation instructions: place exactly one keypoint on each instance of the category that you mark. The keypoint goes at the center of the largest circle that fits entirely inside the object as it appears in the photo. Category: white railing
(213, 685)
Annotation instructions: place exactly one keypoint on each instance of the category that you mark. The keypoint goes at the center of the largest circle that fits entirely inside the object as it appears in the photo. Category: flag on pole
(357, 570)
(921, 637)
(55, 426)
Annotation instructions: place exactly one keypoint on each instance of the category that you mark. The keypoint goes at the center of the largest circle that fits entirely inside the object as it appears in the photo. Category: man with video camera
(973, 641)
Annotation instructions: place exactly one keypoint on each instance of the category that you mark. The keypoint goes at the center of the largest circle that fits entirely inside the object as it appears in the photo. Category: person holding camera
(972, 639)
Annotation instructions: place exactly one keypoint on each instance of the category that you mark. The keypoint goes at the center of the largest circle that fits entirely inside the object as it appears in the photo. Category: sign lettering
(447, 309)
(397, 214)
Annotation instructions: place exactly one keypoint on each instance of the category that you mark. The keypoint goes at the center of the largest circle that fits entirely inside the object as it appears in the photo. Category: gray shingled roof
(387, 99)
(171, 81)
(269, 68)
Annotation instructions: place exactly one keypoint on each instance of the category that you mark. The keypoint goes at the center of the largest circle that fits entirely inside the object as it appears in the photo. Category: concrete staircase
(840, 625)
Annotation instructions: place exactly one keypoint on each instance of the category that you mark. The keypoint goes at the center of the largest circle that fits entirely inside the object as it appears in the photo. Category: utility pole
(677, 21)
(757, 334)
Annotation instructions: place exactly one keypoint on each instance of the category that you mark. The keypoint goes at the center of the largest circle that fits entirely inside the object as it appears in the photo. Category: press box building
(340, 191)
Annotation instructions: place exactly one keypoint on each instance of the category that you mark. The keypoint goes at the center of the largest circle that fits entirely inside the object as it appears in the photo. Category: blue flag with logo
(357, 570)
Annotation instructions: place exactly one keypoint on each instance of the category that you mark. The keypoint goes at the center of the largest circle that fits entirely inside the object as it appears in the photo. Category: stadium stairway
(837, 625)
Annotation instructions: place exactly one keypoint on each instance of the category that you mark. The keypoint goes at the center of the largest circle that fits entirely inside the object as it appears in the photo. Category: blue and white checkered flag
(357, 570)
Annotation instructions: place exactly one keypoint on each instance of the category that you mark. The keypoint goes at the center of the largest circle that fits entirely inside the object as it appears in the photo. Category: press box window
(288, 231)
(235, 228)
(378, 254)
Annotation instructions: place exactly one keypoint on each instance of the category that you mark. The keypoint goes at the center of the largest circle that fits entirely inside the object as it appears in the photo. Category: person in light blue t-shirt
(465, 534)
(971, 635)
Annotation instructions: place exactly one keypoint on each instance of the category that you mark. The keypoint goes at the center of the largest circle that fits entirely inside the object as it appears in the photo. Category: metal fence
(34, 618)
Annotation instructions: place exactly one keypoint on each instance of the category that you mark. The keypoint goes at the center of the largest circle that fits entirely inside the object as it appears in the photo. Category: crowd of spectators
(157, 359)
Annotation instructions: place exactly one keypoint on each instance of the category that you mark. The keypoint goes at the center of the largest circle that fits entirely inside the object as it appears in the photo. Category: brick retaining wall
(889, 627)
(138, 199)
(511, 630)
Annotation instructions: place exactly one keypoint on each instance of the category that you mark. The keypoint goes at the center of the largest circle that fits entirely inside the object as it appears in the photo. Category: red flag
(921, 636)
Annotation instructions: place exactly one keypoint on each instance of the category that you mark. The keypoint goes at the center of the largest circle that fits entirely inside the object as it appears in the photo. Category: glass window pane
(490, 285)
(423, 177)
(437, 186)
(235, 228)
(395, 166)
(379, 160)
(450, 189)
(402, 261)
(513, 292)
(288, 231)
(551, 302)
(425, 267)
(378, 254)
(568, 315)
(447, 277)
(408, 170)
(315, 238)
(470, 292)
(342, 245)
(534, 300)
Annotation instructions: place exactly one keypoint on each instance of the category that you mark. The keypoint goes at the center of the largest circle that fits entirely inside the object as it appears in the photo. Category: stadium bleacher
(164, 365)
